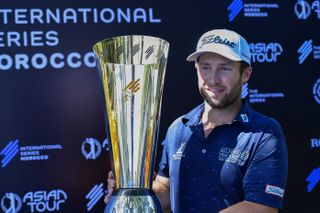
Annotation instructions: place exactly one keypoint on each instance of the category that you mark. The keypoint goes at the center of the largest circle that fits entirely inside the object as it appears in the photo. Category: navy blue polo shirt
(244, 160)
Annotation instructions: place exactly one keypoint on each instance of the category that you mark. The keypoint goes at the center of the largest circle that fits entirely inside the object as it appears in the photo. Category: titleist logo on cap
(218, 40)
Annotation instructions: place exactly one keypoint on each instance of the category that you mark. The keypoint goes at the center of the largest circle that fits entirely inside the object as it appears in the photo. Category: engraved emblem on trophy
(132, 70)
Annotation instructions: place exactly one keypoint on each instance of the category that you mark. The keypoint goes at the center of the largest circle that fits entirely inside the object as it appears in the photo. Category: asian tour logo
(41, 201)
(11, 203)
(316, 91)
(252, 10)
(9, 152)
(91, 148)
(313, 179)
(265, 52)
(94, 195)
(303, 9)
(38, 201)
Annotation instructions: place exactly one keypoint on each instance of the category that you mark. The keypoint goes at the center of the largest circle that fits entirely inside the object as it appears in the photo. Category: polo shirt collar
(193, 118)
(244, 117)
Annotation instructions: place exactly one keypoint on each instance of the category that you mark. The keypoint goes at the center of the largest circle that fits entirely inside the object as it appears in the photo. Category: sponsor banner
(308, 49)
(27, 153)
(262, 52)
(313, 179)
(46, 42)
(316, 91)
(315, 143)
(91, 148)
(303, 9)
(94, 195)
(38, 201)
(255, 96)
(251, 10)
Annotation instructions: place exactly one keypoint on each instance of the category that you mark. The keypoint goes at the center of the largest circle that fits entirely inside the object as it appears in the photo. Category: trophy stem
(133, 201)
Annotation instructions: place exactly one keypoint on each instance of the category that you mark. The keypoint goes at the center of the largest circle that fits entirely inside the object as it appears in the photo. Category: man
(222, 156)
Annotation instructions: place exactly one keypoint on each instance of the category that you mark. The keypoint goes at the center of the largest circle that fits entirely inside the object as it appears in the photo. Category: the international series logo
(303, 9)
(235, 7)
(131, 89)
(304, 50)
(255, 96)
(251, 10)
(38, 201)
(245, 90)
(313, 179)
(27, 153)
(94, 195)
(307, 49)
(9, 152)
(316, 91)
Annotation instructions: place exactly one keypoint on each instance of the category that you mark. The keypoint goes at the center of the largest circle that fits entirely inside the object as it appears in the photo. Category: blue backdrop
(53, 152)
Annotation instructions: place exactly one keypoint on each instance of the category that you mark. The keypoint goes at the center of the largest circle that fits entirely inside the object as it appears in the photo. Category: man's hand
(111, 186)
(161, 186)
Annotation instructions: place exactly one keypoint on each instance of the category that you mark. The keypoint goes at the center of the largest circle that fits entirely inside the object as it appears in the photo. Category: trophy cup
(132, 70)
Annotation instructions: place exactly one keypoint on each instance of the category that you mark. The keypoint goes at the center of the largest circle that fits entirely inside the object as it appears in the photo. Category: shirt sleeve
(266, 176)
(164, 162)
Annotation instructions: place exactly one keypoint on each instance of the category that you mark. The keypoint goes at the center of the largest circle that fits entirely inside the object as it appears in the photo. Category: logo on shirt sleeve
(274, 190)
(179, 152)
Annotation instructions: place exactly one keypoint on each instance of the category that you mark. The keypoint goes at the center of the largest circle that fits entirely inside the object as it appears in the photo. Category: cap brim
(195, 55)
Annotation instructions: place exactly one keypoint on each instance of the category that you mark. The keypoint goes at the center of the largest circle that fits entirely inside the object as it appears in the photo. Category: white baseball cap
(223, 42)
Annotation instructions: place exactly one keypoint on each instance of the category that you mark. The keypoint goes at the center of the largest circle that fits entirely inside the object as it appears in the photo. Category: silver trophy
(132, 70)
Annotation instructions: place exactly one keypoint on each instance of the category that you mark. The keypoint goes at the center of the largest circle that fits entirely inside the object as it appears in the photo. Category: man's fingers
(110, 175)
(110, 190)
(111, 186)
(107, 198)
(111, 180)
(111, 183)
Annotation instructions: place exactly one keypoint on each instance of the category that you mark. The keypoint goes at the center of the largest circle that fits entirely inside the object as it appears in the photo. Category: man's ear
(246, 74)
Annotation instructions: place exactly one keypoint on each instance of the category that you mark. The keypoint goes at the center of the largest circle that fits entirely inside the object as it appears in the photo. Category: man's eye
(205, 68)
(225, 69)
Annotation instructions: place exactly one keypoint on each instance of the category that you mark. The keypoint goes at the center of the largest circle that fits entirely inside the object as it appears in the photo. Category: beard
(228, 100)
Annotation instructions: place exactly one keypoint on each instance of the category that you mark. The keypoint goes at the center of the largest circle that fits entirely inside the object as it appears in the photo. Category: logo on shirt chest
(236, 156)
(179, 154)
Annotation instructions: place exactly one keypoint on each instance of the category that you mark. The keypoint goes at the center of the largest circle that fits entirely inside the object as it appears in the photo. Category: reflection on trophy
(132, 70)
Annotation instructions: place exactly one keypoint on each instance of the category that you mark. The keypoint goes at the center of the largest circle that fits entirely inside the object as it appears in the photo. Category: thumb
(110, 175)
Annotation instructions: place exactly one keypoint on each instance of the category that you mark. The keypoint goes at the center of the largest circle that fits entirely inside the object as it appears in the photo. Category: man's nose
(213, 78)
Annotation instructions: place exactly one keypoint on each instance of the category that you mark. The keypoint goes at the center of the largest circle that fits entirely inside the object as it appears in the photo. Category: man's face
(219, 80)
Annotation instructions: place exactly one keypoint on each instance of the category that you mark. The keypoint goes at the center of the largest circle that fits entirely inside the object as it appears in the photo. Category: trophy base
(133, 201)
